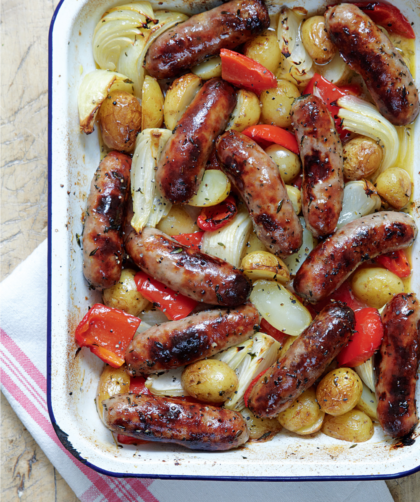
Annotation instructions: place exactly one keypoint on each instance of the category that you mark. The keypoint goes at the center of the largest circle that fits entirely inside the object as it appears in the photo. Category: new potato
(210, 380)
(316, 40)
(111, 382)
(339, 391)
(276, 103)
(179, 97)
(119, 120)
(288, 162)
(124, 295)
(302, 414)
(211, 68)
(361, 158)
(394, 185)
(152, 102)
(265, 50)
(264, 265)
(354, 426)
(246, 112)
(376, 286)
(177, 222)
(295, 196)
(260, 429)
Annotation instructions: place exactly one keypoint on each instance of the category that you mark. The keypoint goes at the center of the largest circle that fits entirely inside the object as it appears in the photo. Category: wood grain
(26, 473)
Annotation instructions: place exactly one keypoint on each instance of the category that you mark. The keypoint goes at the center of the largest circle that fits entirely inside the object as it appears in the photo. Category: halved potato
(246, 112)
(111, 382)
(178, 97)
(260, 429)
(264, 265)
(213, 189)
(304, 415)
(354, 426)
(209, 69)
(152, 104)
(368, 403)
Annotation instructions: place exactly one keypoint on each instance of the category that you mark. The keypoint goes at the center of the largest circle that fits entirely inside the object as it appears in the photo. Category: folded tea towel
(23, 301)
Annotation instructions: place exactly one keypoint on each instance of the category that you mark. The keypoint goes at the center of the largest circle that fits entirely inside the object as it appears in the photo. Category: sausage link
(102, 239)
(322, 159)
(200, 276)
(332, 261)
(203, 35)
(172, 420)
(396, 365)
(304, 362)
(367, 50)
(258, 180)
(183, 161)
(174, 344)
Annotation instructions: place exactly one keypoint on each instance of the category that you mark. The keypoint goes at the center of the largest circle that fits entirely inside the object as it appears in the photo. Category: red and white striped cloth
(23, 300)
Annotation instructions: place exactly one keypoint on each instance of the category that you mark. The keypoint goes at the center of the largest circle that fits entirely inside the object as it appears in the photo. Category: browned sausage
(172, 420)
(183, 161)
(200, 276)
(304, 362)
(367, 50)
(258, 180)
(396, 366)
(322, 159)
(332, 261)
(174, 344)
(102, 239)
(203, 35)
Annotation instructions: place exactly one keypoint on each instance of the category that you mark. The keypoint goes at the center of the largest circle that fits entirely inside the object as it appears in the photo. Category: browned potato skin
(120, 121)
(339, 391)
(362, 157)
(354, 426)
(316, 40)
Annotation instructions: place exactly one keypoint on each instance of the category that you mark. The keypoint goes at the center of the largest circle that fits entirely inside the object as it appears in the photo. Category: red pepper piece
(107, 332)
(367, 338)
(244, 72)
(266, 135)
(193, 240)
(273, 332)
(251, 385)
(215, 217)
(329, 94)
(174, 305)
(343, 294)
(396, 262)
(388, 16)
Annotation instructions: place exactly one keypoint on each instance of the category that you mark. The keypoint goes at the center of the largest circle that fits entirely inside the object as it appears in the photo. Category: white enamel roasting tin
(72, 381)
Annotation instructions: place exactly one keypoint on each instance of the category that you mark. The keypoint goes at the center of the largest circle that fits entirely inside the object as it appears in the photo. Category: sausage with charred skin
(257, 178)
(321, 153)
(187, 271)
(332, 261)
(174, 344)
(183, 161)
(203, 35)
(396, 365)
(102, 239)
(303, 363)
(172, 420)
(367, 50)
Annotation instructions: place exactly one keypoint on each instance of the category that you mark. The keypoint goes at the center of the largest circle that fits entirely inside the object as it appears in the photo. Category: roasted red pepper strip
(329, 94)
(107, 332)
(367, 338)
(242, 71)
(130, 440)
(251, 385)
(273, 332)
(138, 386)
(342, 294)
(193, 240)
(396, 262)
(388, 16)
(172, 304)
(266, 135)
(215, 217)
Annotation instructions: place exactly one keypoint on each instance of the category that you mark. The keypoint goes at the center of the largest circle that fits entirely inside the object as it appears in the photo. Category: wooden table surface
(26, 473)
